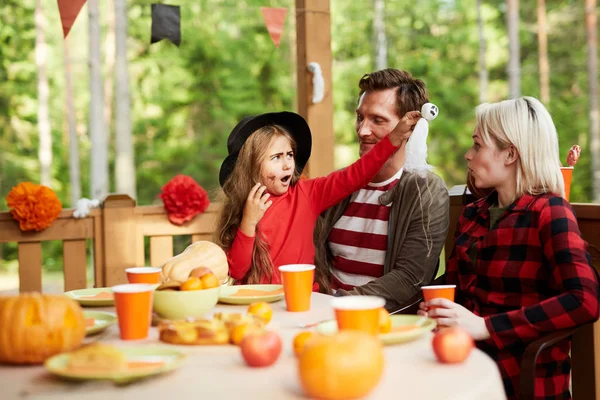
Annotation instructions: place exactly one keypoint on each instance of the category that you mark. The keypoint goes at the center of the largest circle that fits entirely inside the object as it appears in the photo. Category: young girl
(519, 263)
(269, 214)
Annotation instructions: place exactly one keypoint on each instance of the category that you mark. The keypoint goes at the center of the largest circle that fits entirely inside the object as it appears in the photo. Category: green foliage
(186, 100)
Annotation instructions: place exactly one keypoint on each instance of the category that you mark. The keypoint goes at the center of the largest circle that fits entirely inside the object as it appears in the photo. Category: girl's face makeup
(277, 169)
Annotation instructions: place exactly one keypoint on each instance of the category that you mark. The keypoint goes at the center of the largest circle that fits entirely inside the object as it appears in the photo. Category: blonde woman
(519, 263)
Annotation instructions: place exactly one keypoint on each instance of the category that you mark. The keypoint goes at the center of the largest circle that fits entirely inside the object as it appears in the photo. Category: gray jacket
(417, 228)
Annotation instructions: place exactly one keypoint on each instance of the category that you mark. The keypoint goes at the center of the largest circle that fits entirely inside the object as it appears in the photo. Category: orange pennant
(69, 9)
(274, 20)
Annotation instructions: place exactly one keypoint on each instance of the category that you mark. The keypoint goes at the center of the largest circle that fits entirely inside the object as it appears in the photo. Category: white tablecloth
(218, 372)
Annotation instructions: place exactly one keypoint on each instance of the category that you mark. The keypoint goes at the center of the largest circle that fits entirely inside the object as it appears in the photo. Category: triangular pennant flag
(166, 23)
(69, 10)
(274, 20)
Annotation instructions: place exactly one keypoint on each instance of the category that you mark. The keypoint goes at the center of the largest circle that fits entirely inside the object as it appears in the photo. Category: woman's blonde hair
(245, 174)
(526, 124)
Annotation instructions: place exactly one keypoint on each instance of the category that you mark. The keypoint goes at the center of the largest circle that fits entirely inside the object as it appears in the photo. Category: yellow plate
(85, 297)
(102, 320)
(228, 292)
(168, 359)
(421, 326)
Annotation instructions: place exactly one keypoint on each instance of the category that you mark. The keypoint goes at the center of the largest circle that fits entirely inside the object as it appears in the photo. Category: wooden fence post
(313, 44)
(120, 235)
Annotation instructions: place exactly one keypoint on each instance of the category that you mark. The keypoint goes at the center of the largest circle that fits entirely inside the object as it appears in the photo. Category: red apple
(261, 349)
(452, 345)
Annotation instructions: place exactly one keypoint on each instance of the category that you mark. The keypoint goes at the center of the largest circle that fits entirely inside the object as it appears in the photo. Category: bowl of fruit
(194, 297)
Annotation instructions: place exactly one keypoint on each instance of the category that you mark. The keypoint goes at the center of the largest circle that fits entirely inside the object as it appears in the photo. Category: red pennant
(274, 20)
(69, 9)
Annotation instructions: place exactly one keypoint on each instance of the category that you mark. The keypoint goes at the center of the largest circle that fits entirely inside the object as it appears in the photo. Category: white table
(218, 372)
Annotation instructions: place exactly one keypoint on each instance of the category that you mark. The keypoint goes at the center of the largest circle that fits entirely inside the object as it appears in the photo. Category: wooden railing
(117, 233)
(118, 229)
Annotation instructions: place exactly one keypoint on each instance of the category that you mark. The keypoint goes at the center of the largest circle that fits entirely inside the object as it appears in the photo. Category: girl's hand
(448, 313)
(573, 155)
(257, 204)
(404, 128)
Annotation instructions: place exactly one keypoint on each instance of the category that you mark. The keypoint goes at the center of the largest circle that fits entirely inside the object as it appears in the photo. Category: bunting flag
(166, 23)
(274, 20)
(69, 10)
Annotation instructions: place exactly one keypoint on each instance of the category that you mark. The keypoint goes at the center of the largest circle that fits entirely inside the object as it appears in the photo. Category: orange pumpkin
(34, 327)
(329, 365)
(198, 254)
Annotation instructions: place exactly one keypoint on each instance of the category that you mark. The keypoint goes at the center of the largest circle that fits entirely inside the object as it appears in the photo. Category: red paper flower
(183, 199)
(34, 206)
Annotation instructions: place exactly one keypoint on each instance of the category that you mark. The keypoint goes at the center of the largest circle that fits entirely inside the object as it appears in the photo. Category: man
(385, 239)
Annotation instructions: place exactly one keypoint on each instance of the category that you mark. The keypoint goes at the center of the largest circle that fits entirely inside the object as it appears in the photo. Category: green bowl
(175, 304)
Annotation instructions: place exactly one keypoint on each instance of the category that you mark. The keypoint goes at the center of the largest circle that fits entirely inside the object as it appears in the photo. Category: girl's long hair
(245, 174)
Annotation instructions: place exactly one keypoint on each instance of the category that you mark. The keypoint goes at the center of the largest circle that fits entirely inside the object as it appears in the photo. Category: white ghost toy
(84, 207)
(416, 148)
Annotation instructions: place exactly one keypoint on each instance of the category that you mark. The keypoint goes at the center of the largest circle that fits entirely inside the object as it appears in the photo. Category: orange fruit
(385, 321)
(240, 331)
(193, 283)
(300, 341)
(261, 310)
(209, 281)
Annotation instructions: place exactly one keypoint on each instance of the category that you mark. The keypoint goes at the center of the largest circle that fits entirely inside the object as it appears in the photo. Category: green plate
(85, 297)
(424, 325)
(227, 294)
(102, 320)
(170, 358)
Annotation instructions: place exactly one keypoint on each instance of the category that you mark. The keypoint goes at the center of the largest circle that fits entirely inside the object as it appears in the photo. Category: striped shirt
(358, 240)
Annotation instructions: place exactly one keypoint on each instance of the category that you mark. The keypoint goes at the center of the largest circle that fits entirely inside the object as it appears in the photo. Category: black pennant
(166, 23)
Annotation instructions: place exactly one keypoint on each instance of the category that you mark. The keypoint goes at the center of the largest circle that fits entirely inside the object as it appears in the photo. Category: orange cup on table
(567, 173)
(438, 291)
(143, 275)
(360, 313)
(133, 302)
(297, 285)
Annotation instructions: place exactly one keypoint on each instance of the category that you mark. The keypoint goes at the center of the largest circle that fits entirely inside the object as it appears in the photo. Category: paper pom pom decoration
(183, 199)
(35, 207)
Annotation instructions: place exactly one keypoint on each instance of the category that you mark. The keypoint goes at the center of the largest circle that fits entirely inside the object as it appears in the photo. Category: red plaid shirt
(533, 276)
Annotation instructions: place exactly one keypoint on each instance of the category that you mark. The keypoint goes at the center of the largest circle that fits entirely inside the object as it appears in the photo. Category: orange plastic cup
(297, 285)
(438, 291)
(143, 275)
(567, 173)
(134, 309)
(359, 313)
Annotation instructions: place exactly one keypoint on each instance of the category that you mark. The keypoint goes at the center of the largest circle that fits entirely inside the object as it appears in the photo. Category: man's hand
(404, 128)
(257, 204)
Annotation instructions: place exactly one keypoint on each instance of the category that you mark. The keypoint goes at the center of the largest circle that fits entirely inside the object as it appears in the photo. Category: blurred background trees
(164, 110)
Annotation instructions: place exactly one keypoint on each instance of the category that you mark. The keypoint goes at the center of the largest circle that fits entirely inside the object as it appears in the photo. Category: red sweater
(289, 223)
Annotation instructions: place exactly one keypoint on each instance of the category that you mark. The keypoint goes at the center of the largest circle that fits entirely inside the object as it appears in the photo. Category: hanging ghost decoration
(416, 148)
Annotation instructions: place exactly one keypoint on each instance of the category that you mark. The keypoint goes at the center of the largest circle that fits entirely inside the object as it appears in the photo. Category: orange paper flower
(34, 206)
